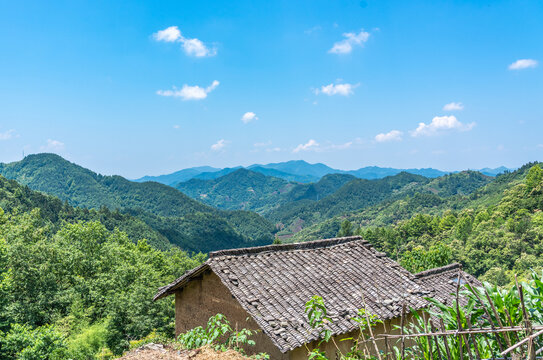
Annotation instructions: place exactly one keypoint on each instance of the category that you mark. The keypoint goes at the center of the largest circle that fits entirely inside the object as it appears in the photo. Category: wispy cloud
(190, 92)
(53, 146)
(440, 124)
(337, 89)
(219, 145)
(393, 135)
(192, 47)
(351, 40)
(6, 135)
(248, 117)
(523, 64)
(312, 30)
(262, 144)
(176, 127)
(453, 106)
(311, 145)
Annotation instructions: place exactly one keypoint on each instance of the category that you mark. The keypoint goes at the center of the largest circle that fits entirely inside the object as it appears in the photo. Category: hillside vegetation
(72, 284)
(495, 232)
(185, 222)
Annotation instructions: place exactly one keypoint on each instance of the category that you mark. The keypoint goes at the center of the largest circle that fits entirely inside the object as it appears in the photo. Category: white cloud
(195, 47)
(262, 144)
(176, 127)
(170, 34)
(337, 89)
(311, 145)
(275, 149)
(190, 92)
(439, 124)
(248, 117)
(219, 145)
(453, 106)
(394, 135)
(192, 47)
(6, 135)
(53, 145)
(523, 64)
(345, 46)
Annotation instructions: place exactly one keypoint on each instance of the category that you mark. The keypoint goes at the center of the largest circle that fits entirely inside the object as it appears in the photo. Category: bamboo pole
(455, 332)
(507, 340)
(437, 342)
(520, 343)
(402, 324)
(473, 340)
(430, 349)
(474, 292)
(442, 327)
(510, 320)
(459, 320)
(369, 328)
(527, 323)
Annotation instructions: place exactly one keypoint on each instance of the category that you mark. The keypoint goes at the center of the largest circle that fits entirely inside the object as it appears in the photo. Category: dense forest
(174, 216)
(73, 284)
(77, 276)
(496, 232)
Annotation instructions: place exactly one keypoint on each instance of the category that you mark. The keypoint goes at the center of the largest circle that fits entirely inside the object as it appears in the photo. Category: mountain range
(233, 207)
(302, 171)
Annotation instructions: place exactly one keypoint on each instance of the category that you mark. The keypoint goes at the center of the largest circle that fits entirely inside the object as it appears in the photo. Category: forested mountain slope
(242, 189)
(496, 231)
(72, 286)
(183, 221)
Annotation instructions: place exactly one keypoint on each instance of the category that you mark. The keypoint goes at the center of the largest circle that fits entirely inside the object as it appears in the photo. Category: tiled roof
(444, 280)
(273, 283)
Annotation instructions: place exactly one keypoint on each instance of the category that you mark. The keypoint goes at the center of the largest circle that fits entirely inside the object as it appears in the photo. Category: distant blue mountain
(496, 171)
(375, 172)
(178, 176)
(284, 175)
(216, 174)
(302, 172)
(300, 167)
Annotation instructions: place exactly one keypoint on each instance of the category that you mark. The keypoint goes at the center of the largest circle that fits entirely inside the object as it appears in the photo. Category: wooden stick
(510, 320)
(520, 343)
(455, 332)
(430, 350)
(488, 344)
(459, 320)
(369, 328)
(527, 323)
(437, 342)
(507, 340)
(442, 327)
(472, 336)
(472, 289)
(402, 323)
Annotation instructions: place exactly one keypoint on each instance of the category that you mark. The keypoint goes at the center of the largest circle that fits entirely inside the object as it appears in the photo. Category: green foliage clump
(219, 334)
(93, 286)
(317, 315)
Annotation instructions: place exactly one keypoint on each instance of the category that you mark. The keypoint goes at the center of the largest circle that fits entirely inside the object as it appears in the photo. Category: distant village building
(266, 288)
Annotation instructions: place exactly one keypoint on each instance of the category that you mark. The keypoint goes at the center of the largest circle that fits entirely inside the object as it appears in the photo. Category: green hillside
(496, 231)
(185, 222)
(354, 195)
(239, 190)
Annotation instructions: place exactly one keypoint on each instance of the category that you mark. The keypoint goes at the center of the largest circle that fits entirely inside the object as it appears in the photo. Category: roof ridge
(316, 244)
(438, 270)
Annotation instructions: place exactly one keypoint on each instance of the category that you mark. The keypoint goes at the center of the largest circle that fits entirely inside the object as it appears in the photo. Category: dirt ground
(161, 352)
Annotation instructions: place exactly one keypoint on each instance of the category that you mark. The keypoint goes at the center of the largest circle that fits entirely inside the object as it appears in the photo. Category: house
(266, 288)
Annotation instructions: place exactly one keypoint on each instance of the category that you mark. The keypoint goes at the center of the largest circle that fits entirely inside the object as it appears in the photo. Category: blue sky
(137, 88)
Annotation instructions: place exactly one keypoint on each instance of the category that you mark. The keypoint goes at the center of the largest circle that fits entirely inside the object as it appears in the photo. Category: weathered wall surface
(205, 297)
(331, 350)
